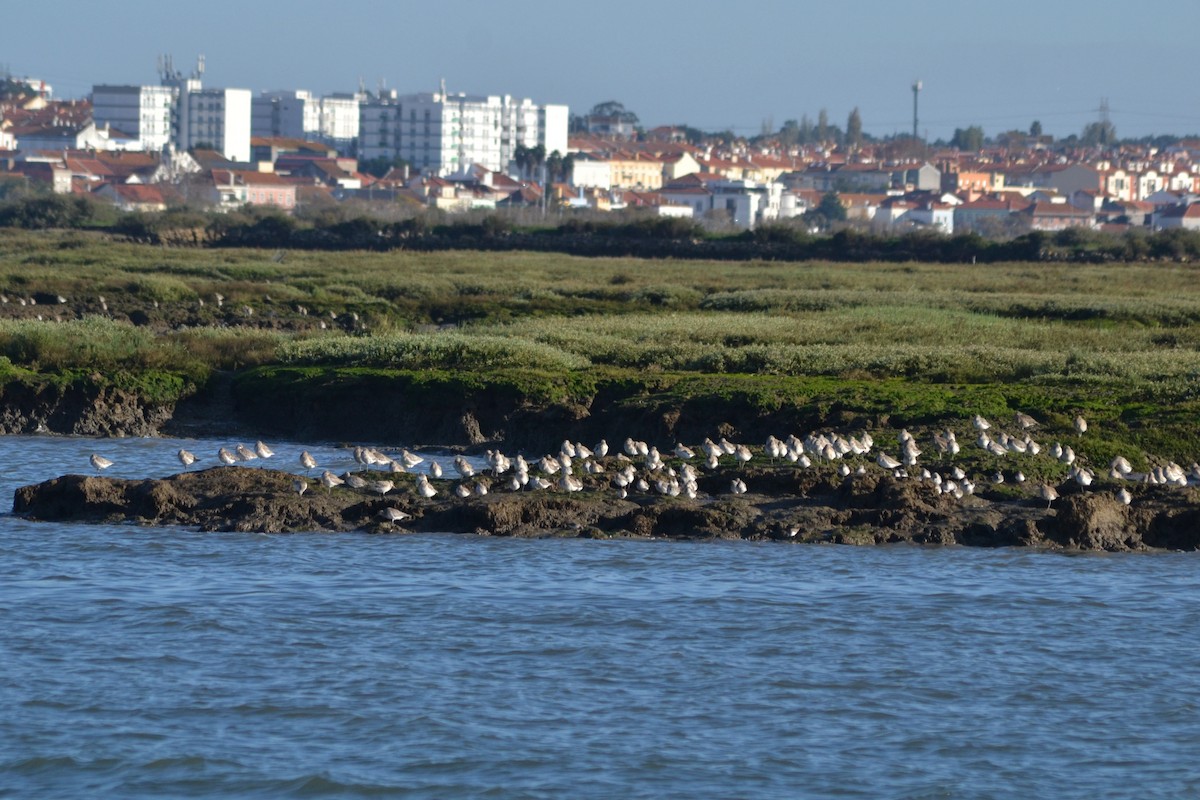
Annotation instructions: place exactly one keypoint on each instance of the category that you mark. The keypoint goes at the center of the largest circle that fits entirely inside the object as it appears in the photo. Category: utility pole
(916, 89)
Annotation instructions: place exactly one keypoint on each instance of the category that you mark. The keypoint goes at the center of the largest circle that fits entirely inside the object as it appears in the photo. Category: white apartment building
(442, 134)
(142, 112)
(297, 114)
(218, 118)
(339, 120)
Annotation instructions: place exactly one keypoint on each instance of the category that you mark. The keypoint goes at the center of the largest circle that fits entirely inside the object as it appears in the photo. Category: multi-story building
(218, 119)
(442, 134)
(339, 120)
(297, 114)
(287, 114)
(143, 112)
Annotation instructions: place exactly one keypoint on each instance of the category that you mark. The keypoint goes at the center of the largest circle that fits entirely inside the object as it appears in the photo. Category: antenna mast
(916, 89)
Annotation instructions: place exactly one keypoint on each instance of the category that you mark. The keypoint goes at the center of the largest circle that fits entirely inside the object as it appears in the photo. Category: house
(232, 188)
(1184, 215)
(1040, 216)
(986, 214)
(135, 197)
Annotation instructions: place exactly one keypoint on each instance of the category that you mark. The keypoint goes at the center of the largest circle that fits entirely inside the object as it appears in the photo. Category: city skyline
(707, 65)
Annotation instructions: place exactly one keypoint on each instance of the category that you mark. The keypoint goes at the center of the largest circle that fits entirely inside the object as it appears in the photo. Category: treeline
(648, 237)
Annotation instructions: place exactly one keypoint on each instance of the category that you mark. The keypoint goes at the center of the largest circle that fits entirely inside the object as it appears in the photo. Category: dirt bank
(786, 505)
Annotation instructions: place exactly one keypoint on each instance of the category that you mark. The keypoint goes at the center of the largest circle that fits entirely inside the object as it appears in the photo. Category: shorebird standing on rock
(186, 458)
(225, 457)
(1047, 493)
(262, 450)
(99, 462)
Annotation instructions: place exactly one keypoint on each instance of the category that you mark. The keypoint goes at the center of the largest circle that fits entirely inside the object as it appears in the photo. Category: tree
(854, 133)
(1099, 134)
(969, 140)
(829, 210)
(611, 108)
(806, 130)
(789, 134)
(1035, 129)
(380, 165)
(822, 126)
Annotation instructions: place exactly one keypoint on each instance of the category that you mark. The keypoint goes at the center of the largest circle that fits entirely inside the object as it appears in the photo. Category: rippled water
(149, 662)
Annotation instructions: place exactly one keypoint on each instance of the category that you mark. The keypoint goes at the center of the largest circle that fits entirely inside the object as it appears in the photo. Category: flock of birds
(641, 468)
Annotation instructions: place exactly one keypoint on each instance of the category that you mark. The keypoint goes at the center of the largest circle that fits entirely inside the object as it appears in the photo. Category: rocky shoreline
(788, 505)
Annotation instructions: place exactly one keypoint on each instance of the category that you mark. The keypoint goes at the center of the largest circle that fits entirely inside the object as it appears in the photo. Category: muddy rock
(793, 505)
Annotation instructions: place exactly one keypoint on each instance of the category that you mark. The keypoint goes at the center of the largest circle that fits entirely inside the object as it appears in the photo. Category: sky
(712, 65)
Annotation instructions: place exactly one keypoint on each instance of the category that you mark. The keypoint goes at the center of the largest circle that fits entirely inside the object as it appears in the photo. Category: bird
(227, 458)
(390, 514)
(262, 450)
(886, 461)
(186, 458)
(980, 423)
(354, 481)
(737, 486)
(1047, 493)
(383, 487)
(435, 469)
(424, 489)
(307, 461)
(1025, 422)
(329, 480)
(409, 460)
(463, 467)
(1080, 425)
(99, 462)
(299, 486)
(601, 449)
(1124, 496)
(462, 491)
(245, 453)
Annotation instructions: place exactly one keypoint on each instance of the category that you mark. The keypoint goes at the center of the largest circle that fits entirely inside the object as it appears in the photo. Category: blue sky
(713, 65)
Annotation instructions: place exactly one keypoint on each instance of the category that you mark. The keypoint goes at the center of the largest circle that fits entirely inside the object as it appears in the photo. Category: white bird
(299, 486)
(463, 467)
(383, 487)
(354, 481)
(683, 451)
(741, 453)
(1080, 425)
(409, 460)
(601, 449)
(435, 469)
(262, 450)
(462, 491)
(227, 458)
(980, 423)
(886, 461)
(245, 453)
(1124, 496)
(424, 489)
(186, 458)
(99, 462)
(737, 486)
(307, 461)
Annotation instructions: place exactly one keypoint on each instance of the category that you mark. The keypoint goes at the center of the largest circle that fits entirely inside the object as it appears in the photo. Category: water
(150, 662)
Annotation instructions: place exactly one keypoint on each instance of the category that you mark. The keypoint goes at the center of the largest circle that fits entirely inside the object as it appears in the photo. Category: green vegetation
(918, 344)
